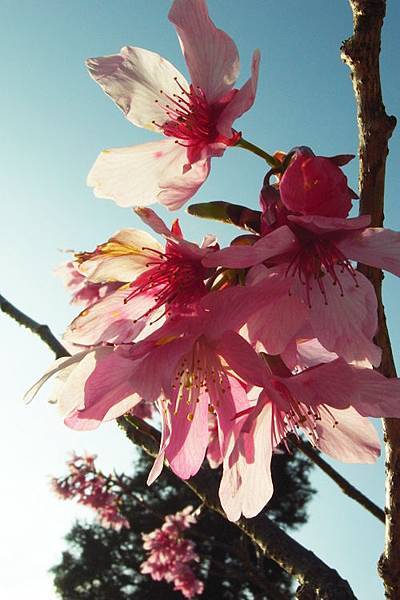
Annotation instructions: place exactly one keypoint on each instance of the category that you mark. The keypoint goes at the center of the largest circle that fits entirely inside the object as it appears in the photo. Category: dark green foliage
(102, 564)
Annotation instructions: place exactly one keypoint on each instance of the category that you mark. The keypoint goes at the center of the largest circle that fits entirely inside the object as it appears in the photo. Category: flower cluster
(170, 554)
(235, 347)
(90, 487)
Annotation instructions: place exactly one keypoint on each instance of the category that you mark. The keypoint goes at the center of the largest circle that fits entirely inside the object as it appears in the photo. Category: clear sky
(55, 120)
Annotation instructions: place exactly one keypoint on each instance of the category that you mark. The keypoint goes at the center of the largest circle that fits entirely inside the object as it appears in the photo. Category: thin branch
(317, 580)
(361, 53)
(42, 331)
(346, 487)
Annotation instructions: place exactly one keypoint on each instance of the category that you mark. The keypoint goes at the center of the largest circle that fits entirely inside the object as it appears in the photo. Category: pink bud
(315, 185)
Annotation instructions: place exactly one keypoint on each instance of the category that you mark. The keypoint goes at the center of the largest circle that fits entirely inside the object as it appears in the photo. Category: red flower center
(177, 281)
(192, 120)
(317, 259)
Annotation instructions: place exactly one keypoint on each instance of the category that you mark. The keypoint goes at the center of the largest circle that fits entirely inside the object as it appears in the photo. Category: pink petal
(111, 320)
(211, 55)
(133, 78)
(141, 175)
(239, 257)
(152, 220)
(188, 441)
(242, 101)
(323, 225)
(165, 434)
(345, 324)
(231, 308)
(188, 249)
(303, 353)
(177, 188)
(246, 484)
(241, 358)
(378, 395)
(332, 384)
(277, 323)
(234, 401)
(352, 440)
(374, 246)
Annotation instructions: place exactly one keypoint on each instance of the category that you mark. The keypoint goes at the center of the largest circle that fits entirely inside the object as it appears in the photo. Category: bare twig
(317, 580)
(361, 53)
(42, 331)
(346, 487)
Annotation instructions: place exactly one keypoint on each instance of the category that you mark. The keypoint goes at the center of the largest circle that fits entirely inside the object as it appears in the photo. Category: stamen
(317, 260)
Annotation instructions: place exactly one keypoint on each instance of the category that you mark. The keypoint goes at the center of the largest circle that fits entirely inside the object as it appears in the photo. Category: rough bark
(361, 53)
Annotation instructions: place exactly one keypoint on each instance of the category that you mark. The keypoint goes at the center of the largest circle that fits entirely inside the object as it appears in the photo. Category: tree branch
(346, 487)
(42, 331)
(361, 53)
(317, 580)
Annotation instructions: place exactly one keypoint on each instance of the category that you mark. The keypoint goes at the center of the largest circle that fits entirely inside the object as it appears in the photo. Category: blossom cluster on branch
(170, 554)
(90, 487)
(235, 347)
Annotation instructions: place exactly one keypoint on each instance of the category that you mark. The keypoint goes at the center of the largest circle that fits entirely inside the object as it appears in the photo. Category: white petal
(131, 176)
(122, 258)
(133, 78)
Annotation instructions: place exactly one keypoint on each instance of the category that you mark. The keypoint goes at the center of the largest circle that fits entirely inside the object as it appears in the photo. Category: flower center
(191, 119)
(200, 371)
(290, 415)
(318, 259)
(172, 280)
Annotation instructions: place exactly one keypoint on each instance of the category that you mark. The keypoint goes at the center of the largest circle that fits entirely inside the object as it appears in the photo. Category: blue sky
(55, 120)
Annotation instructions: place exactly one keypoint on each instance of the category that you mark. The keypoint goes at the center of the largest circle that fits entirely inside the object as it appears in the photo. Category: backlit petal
(211, 55)
(133, 78)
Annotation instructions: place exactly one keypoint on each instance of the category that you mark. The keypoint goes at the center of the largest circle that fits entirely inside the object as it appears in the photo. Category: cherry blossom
(314, 253)
(90, 487)
(161, 282)
(196, 118)
(329, 403)
(171, 555)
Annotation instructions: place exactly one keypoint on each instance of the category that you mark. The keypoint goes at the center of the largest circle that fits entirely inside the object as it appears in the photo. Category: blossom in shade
(90, 487)
(195, 118)
(314, 254)
(171, 556)
(159, 282)
(328, 403)
(315, 185)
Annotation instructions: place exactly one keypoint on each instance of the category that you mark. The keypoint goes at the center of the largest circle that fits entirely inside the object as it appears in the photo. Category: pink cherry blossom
(315, 185)
(196, 118)
(162, 282)
(183, 368)
(170, 554)
(91, 488)
(314, 253)
(328, 403)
